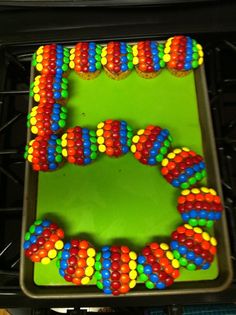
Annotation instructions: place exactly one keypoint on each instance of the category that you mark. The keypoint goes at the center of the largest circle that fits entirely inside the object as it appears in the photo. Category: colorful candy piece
(46, 119)
(150, 145)
(182, 54)
(200, 206)
(51, 59)
(116, 269)
(79, 145)
(45, 153)
(117, 59)
(183, 168)
(157, 266)
(76, 262)
(193, 247)
(43, 241)
(114, 137)
(49, 88)
(85, 59)
(148, 58)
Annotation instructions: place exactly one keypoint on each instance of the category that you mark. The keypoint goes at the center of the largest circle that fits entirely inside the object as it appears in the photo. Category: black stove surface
(220, 56)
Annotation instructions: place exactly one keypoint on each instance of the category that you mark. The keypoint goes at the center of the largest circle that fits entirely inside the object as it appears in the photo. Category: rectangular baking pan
(180, 288)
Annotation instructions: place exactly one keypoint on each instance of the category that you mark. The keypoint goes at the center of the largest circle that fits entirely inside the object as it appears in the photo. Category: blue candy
(39, 230)
(105, 274)
(106, 263)
(65, 254)
(147, 269)
(154, 278)
(160, 285)
(141, 259)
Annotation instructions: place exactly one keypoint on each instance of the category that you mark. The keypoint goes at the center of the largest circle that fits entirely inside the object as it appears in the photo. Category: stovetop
(220, 55)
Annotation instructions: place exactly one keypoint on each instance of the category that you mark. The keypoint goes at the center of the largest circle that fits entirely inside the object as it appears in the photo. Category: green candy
(194, 64)
(58, 149)
(159, 157)
(176, 254)
(209, 223)
(64, 86)
(130, 65)
(62, 123)
(28, 124)
(149, 285)
(162, 63)
(98, 65)
(32, 229)
(63, 116)
(58, 264)
(27, 236)
(98, 57)
(202, 222)
(183, 261)
(130, 134)
(192, 180)
(195, 56)
(98, 50)
(193, 222)
(65, 67)
(31, 93)
(167, 143)
(34, 62)
(58, 158)
(163, 150)
(140, 268)
(143, 277)
(63, 109)
(58, 141)
(64, 93)
(129, 128)
(198, 176)
(194, 42)
(66, 60)
(93, 147)
(170, 138)
(161, 46)
(66, 53)
(93, 140)
(38, 222)
(191, 267)
(98, 256)
(59, 255)
(130, 57)
(160, 55)
(184, 185)
(93, 155)
(203, 173)
(100, 285)
(129, 142)
(65, 80)
(129, 48)
(98, 265)
(29, 116)
(92, 133)
(98, 275)
(25, 155)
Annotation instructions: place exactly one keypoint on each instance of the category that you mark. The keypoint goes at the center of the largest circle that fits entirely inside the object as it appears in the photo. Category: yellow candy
(37, 97)
(185, 192)
(89, 271)
(31, 142)
(64, 143)
(104, 52)
(201, 53)
(39, 51)
(39, 58)
(33, 114)
(99, 132)
(197, 230)
(177, 151)
(164, 246)
(133, 255)
(212, 191)
(187, 226)
(52, 253)
(72, 57)
(34, 130)
(100, 125)
(38, 77)
(164, 162)
(185, 149)
(34, 109)
(199, 47)
(205, 189)
(102, 148)
(135, 139)
(71, 64)
(31, 150)
(33, 121)
(132, 264)
(169, 255)
(140, 132)
(59, 245)
(133, 274)
(72, 51)
(104, 61)
(91, 252)
(100, 140)
(166, 58)
(135, 53)
(90, 261)
(132, 284)
(171, 155)
(39, 67)
(29, 158)
(135, 61)
(206, 236)
(175, 263)
(133, 148)
(64, 152)
(167, 50)
(195, 191)
(200, 61)
(213, 241)
(64, 136)
(45, 260)
(85, 280)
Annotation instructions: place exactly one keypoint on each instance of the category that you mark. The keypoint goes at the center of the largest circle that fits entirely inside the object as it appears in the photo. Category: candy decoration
(85, 59)
(43, 241)
(151, 144)
(46, 119)
(44, 153)
(51, 59)
(79, 145)
(114, 137)
(117, 59)
(182, 54)
(148, 58)
(193, 247)
(183, 168)
(157, 266)
(116, 269)
(200, 206)
(76, 262)
(49, 87)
